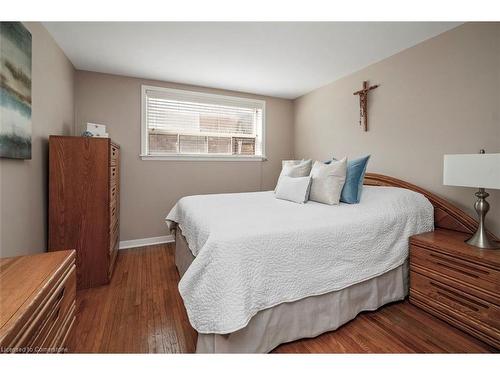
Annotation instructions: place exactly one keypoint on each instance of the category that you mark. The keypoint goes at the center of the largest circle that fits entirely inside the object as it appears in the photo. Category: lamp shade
(472, 170)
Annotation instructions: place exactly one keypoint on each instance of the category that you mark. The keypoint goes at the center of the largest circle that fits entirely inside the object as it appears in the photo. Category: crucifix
(363, 103)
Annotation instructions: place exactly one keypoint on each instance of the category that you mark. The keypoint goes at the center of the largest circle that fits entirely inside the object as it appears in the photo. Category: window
(178, 124)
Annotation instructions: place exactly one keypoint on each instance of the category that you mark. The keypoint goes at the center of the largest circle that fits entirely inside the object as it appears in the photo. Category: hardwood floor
(141, 311)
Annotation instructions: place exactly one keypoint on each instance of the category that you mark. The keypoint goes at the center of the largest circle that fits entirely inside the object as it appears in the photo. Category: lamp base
(483, 241)
(481, 238)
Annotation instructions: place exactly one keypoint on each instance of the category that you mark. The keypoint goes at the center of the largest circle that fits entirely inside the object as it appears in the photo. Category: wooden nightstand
(457, 282)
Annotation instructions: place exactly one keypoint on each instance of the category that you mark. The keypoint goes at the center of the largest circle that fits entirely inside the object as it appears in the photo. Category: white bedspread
(254, 251)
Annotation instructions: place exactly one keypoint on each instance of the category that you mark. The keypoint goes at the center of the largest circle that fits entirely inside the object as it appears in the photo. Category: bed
(257, 272)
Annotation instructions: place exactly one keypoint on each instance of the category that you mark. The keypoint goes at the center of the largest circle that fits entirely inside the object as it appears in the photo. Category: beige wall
(439, 97)
(149, 188)
(23, 183)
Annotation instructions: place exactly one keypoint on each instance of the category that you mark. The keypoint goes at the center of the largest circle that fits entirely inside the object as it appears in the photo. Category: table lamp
(475, 170)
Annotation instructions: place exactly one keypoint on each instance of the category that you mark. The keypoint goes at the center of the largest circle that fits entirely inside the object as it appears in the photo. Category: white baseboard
(146, 242)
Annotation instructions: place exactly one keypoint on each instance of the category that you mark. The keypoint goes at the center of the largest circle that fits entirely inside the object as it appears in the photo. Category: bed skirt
(308, 317)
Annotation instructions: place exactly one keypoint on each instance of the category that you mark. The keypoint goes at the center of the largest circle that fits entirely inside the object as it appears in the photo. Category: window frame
(144, 155)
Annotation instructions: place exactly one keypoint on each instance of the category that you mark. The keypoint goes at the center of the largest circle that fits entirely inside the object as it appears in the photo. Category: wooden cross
(363, 103)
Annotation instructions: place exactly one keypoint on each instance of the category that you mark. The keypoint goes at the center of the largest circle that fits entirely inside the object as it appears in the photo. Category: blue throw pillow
(353, 186)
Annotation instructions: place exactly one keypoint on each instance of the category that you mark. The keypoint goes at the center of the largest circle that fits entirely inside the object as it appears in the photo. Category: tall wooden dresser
(84, 204)
(38, 302)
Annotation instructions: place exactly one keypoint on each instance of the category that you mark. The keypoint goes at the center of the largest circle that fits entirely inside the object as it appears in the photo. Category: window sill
(203, 158)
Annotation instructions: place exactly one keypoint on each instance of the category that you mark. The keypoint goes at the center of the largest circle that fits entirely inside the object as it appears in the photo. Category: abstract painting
(15, 91)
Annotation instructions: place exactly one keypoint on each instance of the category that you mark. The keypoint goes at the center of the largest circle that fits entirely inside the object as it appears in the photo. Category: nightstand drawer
(457, 282)
(470, 310)
(472, 273)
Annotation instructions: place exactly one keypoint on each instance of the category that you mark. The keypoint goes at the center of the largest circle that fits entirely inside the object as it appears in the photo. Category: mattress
(253, 251)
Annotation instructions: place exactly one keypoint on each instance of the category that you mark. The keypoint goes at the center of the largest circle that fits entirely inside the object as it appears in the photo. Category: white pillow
(328, 181)
(294, 168)
(295, 189)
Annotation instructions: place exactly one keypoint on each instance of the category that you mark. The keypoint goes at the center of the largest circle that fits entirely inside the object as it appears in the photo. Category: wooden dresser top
(22, 281)
(78, 138)
(453, 243)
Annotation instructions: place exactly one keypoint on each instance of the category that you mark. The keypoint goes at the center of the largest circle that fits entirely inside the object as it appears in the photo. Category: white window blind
(187, 123)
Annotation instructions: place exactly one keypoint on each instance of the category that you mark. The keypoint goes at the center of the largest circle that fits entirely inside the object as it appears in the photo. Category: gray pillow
(294, 168)
(295, 189)
(328, 181)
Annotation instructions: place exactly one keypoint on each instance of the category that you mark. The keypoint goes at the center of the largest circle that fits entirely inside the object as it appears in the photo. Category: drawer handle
(56, 316)
(457, 266)
(61, 294)
(457, 270)
(458, 298)
(466, 305)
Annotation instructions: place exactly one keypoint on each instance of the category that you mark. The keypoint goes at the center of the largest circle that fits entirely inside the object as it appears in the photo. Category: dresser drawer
(113, 176)
(113, 237)
(62, 334)
(113, 214)
(114, 154)
(36, 335)
(468, 309)
(64, 312)
(472, 273)
(113, 193)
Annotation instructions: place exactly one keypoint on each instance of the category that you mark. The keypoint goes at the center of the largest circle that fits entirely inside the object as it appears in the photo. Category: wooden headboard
(446, 215)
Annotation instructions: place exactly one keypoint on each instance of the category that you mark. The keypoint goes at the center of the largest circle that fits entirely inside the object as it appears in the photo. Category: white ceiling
(283, 59)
